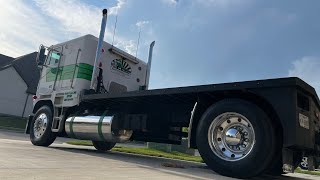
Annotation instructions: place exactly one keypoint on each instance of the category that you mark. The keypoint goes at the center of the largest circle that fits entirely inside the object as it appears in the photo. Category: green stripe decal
(81, 71)
(100, 125)
(71, 127)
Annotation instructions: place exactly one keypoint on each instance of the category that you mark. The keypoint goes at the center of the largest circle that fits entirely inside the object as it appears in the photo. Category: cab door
(51, 71)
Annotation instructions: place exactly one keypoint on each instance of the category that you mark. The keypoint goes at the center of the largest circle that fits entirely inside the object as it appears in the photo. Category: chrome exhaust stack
(95, 128)
(149, 65)
(93, 84)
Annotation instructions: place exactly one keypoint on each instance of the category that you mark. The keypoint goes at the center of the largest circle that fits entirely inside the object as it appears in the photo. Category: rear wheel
(40, 130)
(304, 163)
(103, 146)
(236, 138)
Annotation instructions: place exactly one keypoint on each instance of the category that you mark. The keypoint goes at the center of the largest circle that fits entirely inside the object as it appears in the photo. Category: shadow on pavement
(179, 168)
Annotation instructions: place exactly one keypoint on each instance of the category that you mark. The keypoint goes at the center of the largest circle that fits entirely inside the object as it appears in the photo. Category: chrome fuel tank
(97, 128)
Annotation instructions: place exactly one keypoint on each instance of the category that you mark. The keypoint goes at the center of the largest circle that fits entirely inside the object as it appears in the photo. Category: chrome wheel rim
(40, 125)
(231, 136)
(304, 162)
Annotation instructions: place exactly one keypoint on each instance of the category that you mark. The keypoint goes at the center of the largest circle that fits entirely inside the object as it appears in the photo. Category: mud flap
(288, 160)
(27, 130)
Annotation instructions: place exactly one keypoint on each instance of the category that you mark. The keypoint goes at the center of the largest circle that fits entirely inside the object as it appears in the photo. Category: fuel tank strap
(71, 126)
(100, 125)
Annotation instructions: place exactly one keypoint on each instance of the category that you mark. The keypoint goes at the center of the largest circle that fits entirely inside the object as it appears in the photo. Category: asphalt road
(19, 159)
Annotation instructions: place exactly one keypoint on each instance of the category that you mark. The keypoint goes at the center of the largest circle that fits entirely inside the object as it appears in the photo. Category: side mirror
(41, 56)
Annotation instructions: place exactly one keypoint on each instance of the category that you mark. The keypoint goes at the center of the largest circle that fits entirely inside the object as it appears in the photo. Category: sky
(197, 41)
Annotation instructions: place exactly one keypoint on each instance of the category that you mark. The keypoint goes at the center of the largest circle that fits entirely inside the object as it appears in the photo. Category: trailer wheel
(236, 138)
(304, 163)
(40, 130)
(103, 146)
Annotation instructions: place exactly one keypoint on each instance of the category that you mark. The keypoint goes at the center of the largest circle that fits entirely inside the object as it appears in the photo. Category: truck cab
(91, 90)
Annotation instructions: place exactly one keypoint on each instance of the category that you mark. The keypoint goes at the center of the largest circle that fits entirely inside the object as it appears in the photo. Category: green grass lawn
(145, 151)
(299, 170)
(12, 122)
(158, 153)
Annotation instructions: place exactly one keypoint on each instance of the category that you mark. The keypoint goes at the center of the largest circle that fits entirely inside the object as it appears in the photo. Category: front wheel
(103, 146)
(236, 138)
(40, 130)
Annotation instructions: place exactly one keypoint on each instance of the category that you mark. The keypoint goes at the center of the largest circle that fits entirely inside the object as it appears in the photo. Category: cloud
(140, 24)
(78, 18)
(114, 10)
(308, 69)
(220, 3)
(23, 29)
(208, 3)
(74, 16)
(49, 22)
(171, 3)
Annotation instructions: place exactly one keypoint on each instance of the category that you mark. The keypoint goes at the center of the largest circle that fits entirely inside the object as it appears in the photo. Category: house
(19, 79)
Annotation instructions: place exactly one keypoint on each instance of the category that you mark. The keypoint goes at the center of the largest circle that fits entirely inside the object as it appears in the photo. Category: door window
(53, 58)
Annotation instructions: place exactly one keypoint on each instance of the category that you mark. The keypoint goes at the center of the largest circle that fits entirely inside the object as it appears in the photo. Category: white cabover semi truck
(92, 90)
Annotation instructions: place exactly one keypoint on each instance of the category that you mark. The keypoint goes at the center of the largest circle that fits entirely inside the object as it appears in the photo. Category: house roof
(27, 68)
(5, 59)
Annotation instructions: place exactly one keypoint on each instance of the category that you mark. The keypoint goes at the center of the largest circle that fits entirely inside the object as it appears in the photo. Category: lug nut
(223, 149)
(232, 155)
(219, 139)
(221, 128)
(228, 121)
(239, 119)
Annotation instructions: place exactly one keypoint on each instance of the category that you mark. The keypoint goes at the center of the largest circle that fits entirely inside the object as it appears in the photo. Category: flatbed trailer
(166, 111)
(283, 99)
(241, 129)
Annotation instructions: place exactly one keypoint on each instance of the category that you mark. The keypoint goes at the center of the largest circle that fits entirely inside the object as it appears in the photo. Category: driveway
(19, 159)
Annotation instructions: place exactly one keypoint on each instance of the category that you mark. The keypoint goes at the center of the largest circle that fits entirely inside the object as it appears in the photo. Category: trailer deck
(191, 93)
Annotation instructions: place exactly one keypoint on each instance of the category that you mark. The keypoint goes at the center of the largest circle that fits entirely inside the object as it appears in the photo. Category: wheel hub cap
(304, 162)
(40, 125)
(231, 136)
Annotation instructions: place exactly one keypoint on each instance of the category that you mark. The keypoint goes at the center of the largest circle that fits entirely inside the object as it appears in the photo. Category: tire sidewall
(103, 146)
(262, 152)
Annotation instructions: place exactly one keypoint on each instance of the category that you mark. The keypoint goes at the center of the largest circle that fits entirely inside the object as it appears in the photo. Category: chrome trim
(149, 64)
(99, 46)
(40, 125)
(95, 128)
(231, 136)
(190, 124)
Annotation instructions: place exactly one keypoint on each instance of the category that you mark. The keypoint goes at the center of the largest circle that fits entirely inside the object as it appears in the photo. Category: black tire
(103, 146)
(276, 167)
(48, 137)
(262, 153)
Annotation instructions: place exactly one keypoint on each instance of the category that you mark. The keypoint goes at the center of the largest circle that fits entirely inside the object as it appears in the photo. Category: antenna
(114, 30)
(138, 43)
